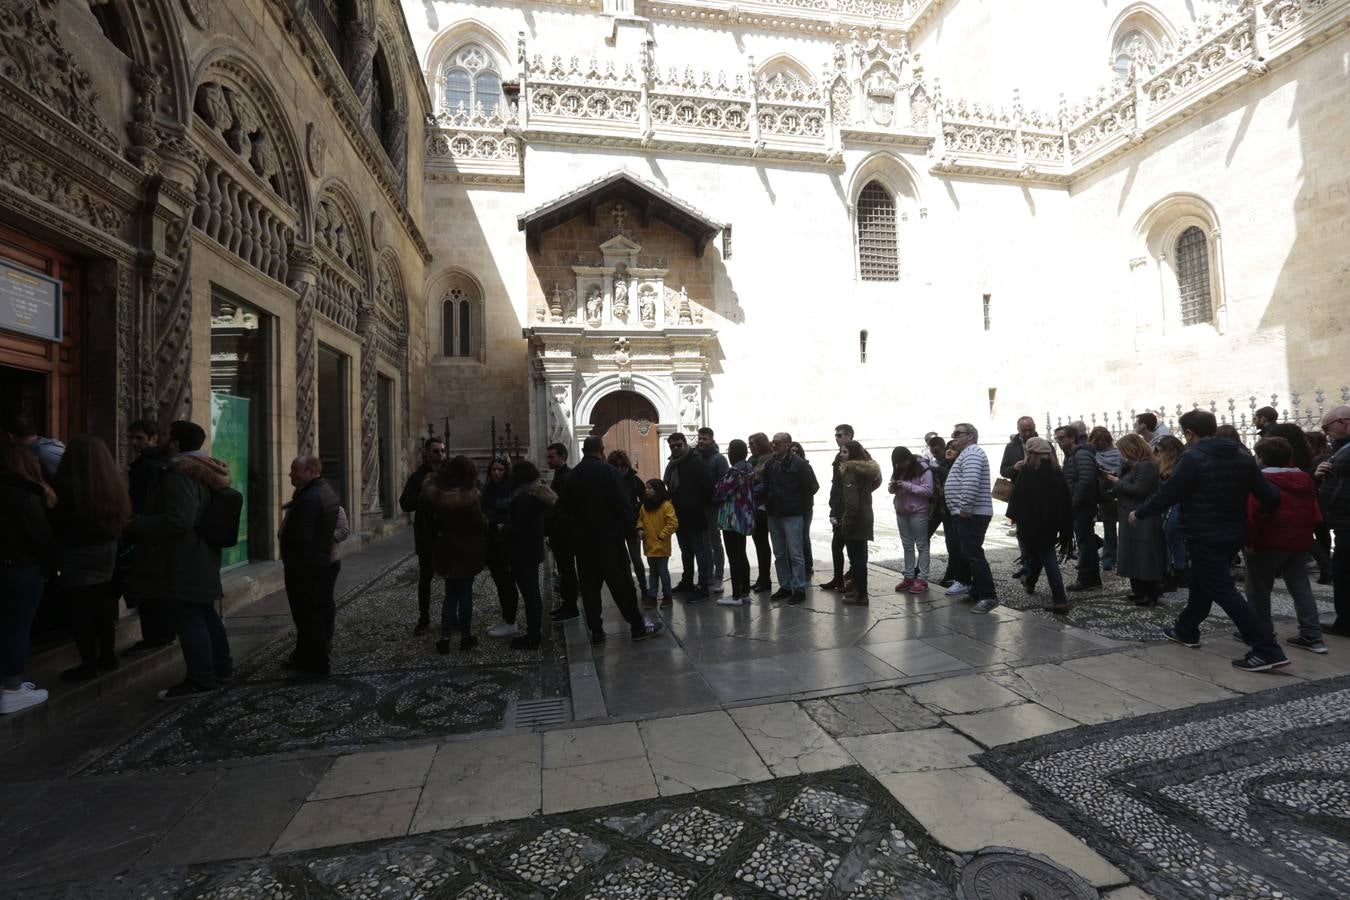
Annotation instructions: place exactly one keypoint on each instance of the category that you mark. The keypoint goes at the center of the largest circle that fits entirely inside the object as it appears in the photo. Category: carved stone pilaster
(396, 133)
(303, 276)
(169, 388)
(361, 61)
(144, 134)
(368, 326)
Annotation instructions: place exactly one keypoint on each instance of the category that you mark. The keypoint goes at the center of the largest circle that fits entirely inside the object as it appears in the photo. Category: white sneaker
(958, 588)
(22, 697)
(504, 629)
(728, 601)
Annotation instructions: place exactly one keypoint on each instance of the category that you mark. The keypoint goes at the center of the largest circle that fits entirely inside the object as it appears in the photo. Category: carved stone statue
(595, 305)
(620, 297)
(559, 416)
(647, 305)
(689, 416)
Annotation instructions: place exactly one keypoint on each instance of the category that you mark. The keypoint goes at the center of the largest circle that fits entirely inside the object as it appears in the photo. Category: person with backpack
(735, 493)
(307, 543)
(912, 484)
(178, 542)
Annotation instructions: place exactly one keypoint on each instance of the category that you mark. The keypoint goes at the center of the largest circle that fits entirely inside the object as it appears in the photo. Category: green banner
(229, 444)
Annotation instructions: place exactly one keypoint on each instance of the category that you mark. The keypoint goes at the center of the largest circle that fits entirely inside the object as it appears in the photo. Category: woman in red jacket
(1278, 542)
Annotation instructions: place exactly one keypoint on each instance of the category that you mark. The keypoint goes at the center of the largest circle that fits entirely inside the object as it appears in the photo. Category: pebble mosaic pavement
(831, 835)
(387, 685)
(1244, 798)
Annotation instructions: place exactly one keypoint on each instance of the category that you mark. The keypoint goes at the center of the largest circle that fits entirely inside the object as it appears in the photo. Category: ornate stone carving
(33, 57)
(376, 230)
(315, 148)
(620, 295)
(198, 13)
(370, 450)
(647, 305)
(43, 182)
(690, 413)
(304, 265)
(147, 86)
(361, 47)
(172, 334)
(560, 414)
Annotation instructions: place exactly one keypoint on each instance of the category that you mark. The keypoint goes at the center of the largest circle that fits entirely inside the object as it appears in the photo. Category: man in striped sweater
(972, 507)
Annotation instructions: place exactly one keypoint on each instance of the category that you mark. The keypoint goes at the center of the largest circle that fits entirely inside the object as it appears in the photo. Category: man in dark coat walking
(308, 566)
(1211, 481)
(1080, 474)
(424, 527)
(601, 514)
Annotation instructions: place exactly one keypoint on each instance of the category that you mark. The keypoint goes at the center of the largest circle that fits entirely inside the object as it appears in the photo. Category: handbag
(1003, 489)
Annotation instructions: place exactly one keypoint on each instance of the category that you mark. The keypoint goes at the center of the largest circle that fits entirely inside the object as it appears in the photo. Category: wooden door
(627, 422)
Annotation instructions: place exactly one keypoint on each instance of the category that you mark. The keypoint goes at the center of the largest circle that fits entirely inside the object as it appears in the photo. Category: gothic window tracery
(878, 245)
(461, 320)
(1193, 281)
(469, 79)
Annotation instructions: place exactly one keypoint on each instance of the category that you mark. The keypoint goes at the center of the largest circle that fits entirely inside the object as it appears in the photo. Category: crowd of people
(1178, 512)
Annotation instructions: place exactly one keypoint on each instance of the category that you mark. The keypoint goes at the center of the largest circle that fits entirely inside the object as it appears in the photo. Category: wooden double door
(627, 421)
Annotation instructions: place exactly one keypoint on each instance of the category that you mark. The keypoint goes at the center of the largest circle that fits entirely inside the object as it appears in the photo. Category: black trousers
(635, 558)
(564, 555)
(857, 564)
(156, 624)
(837, 547)
(91, 613)
(309, 591)
(739, 563)
(426, 573)
(499, 567)
(606, 565)
(763, 553)
(526, 575)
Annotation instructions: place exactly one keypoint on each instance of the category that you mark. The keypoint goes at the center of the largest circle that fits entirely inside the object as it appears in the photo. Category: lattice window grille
(878, 251)
(1193, 283)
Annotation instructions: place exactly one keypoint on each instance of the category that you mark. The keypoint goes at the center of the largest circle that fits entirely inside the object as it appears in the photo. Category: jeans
(1048, 560)
(457, 608)
(91, 611)
(21, 587)
(715, 552)
(1262, 568)
(635, 559)
(658, 575)
(1109, 523)
(499, 567)
(857, 565)
(694, 548)
(958, 567)
(309, 591)
(206, 646)
(786, 534)
(739, 563)
(806, 540)
(606, 565)
(763, 556)
(914, 538)
(1175, 541)
(568, 582)
(1212, 582)
(1085, 536)
(1340, 578)
(526, 576)
(970, 532)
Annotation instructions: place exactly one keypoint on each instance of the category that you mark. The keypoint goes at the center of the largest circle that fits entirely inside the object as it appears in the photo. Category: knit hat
(1038, 445)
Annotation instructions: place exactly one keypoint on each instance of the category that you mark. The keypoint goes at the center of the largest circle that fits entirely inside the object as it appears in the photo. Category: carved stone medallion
(198, 12)
(376, 230)
(315, 147)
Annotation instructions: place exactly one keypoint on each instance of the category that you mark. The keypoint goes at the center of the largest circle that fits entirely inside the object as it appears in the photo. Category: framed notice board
(30, 302)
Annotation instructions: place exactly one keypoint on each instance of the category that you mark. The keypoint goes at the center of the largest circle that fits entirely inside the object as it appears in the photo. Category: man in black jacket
(1333, 494)
(424, 528)
(788, 490)
(308, 566)
(1211, 481)
(842, 435)
(690, 485)
(143, 478)
(600, 510)
(1080, 474)
(558, 527)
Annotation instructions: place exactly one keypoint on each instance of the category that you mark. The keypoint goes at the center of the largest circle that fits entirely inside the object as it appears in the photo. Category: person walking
(308, 567)
(690, 488)
(842, 435)
(1014, 457)
(632, 482)
(761, 451)
(912, 485)
(1278, 542)
(174, 562)
(1141, 555)
(1108, 461)
(143, 477)
(860, 476)
(656, 526)
(1041, 509)
(523, 534)
(717, 465)
(735, 493)
(28, 551)
(1333, 493)
(972, 507)
(788, 487)
(92, 509)
(1080, 474)
(1211, 482)
(451, 497)
(602, 514)
(424, 528)
(496, 500)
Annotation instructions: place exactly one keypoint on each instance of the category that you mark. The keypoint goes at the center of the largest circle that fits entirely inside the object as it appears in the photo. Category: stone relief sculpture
(560, 414)
(647, 305)
(620, 295)
(689, 411)
(595, 306)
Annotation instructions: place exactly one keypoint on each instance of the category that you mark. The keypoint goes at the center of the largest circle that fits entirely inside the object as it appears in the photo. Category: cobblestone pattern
(1244, 798)
(767, 840)
(387, 684)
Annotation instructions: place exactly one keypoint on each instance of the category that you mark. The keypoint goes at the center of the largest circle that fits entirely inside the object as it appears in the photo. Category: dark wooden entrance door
(627, 421)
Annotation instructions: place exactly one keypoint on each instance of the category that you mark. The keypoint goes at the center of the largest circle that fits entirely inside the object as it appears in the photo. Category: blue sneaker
(1254, 663)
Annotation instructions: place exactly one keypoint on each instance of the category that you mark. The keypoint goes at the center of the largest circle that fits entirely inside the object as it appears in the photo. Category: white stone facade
(1037, 237)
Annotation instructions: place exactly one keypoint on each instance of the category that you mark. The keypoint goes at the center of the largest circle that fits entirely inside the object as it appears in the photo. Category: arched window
(1124, 47)
(461, 310)
(470, 78)
(878, 253)
(1140, 29)
(1193, 282)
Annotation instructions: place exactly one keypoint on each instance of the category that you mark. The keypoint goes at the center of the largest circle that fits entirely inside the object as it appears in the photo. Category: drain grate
(531, 713)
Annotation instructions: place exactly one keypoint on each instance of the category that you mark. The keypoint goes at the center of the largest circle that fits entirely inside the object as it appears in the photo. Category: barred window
(1197, 298)
(878, 256)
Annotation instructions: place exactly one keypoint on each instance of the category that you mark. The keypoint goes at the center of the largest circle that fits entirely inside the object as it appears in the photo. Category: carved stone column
(361, 61)
(110, 293)
(396, 131)
(303, 278)
(366, 324)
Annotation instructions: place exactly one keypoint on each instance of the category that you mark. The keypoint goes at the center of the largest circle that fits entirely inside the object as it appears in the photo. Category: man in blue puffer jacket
(1212, 481)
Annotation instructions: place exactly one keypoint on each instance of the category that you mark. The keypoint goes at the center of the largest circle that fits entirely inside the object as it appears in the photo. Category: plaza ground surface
(904, 749)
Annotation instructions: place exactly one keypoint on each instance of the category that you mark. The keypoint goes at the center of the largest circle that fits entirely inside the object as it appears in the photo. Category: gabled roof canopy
(649, 200)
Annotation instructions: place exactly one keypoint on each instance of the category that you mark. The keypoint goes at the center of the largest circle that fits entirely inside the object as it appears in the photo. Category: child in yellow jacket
(656, 522)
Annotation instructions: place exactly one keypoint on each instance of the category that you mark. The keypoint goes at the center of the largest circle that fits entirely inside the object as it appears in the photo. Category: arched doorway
(627, 421)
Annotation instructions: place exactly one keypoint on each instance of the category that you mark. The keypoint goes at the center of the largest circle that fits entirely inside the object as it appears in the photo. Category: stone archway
(628, 421)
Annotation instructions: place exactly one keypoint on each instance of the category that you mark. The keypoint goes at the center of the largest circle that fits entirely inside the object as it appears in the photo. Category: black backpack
(219, 522)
